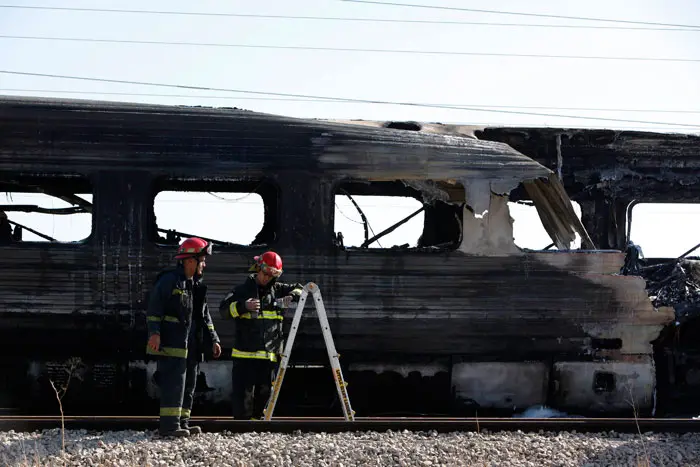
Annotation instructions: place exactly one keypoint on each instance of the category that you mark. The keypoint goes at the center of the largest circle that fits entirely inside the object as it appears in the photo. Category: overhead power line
(518, 13)
(339, 99)
(470, 123)
(340, 18)
(340, 49)
(279, 99)
(474, 123)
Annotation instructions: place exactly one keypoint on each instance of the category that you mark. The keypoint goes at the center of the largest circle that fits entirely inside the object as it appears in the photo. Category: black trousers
(176, 380)
(251, 380)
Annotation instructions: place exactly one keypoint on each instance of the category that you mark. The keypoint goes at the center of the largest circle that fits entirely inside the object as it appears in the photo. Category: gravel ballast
(145, 448)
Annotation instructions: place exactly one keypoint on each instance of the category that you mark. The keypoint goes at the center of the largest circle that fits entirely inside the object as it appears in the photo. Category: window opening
(224, 213)
(45, 210)
(377, 215)
(396, 214)
(665, 230)
(528, 231)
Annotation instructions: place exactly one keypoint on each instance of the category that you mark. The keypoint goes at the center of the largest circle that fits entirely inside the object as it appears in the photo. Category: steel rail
(339, 424)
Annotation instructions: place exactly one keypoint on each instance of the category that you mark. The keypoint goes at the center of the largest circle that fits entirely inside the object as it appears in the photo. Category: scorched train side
(467, 321)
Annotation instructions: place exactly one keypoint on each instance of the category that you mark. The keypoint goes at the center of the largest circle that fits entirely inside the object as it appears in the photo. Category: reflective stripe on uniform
(177, 292)
(170, 411)
(185, 413)
(170, 319)
(259, 355)
(266, 314)
(168, 352)
(210, 327)
(270, 314)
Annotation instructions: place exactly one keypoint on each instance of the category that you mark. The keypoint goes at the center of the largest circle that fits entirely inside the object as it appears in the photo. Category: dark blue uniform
(178, 311)
(258, 341)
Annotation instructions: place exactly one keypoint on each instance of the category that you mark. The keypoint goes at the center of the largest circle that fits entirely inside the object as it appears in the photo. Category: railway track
(332, 424)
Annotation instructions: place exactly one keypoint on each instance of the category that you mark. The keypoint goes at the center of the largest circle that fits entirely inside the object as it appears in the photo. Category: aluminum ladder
(333, 356)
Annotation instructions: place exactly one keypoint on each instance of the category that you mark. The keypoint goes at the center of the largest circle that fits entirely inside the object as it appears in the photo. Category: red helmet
(193, 247)
(270, 263)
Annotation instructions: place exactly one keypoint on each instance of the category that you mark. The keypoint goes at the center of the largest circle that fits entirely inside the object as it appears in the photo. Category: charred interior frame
(442, 203)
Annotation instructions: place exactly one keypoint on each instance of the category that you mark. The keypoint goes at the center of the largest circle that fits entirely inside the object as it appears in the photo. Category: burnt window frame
(365, 187)
(271, 191)
(68, 179)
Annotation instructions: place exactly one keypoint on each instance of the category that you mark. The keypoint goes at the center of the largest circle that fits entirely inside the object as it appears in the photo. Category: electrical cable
(340, 99)
(344, 49)
(338, 18)
(191, 96)
(517, 13)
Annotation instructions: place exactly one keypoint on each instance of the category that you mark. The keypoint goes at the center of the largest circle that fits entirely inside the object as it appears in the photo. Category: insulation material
(488, 230)
(556, 212)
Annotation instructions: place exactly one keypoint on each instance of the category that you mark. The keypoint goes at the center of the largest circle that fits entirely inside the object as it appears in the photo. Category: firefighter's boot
(193, 430)
(176, 433)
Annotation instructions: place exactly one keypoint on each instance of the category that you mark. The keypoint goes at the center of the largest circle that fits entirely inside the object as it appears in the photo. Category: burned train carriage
(464, 321)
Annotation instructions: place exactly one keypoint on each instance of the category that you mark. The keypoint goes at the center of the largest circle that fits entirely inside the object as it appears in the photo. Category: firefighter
(257, 308)
(176, 318)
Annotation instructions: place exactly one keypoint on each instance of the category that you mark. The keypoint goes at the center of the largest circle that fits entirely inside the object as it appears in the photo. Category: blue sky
(442, 79)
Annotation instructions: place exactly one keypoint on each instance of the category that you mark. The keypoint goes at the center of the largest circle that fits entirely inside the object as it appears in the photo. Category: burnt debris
(675, 284)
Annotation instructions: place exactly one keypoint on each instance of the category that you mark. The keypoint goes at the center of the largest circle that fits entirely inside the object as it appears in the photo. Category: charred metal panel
(612, 387)
(496, 305)
(537, 304)
(164, 140)
(306, 213)
(632, 164)
(39, 278)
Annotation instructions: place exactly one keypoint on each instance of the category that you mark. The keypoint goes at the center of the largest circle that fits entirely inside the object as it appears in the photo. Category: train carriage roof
(82, 133)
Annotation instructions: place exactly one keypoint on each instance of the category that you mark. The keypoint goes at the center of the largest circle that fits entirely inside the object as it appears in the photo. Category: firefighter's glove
(252, 304)
(286, 302)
